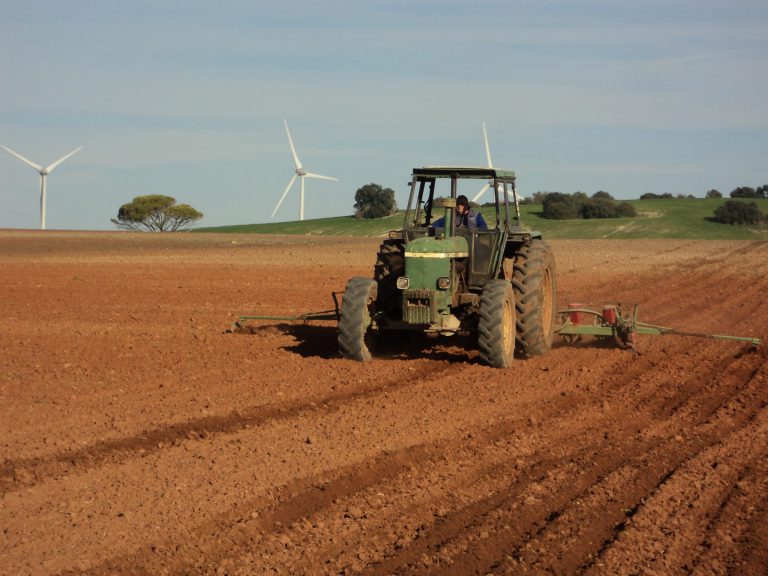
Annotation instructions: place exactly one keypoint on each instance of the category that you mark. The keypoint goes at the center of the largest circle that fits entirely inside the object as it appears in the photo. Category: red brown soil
(139, 436)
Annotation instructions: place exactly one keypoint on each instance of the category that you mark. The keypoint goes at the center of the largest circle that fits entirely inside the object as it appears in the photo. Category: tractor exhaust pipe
(450, 207)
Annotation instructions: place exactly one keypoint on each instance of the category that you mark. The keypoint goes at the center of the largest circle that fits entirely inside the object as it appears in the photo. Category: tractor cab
(431, 183)
(426, 215)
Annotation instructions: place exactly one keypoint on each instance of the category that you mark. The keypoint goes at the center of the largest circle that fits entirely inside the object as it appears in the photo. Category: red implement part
(576, 316)
(609, 314)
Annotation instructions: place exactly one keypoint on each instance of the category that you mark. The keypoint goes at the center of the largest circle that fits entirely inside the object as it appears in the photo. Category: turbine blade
(296, 160)
(487, 147)
(60, 160)
(284, 194)
(20, 157)
(482, 191)
(319, 177)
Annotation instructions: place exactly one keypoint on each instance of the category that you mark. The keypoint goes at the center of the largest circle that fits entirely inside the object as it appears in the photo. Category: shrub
(597, 208)
(625, 210)
(559, 206)
(604, 208)
(742, 213)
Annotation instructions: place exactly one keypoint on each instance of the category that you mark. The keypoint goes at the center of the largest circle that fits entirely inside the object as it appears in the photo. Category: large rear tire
(534, 281)
(355, 332)
(496, 324)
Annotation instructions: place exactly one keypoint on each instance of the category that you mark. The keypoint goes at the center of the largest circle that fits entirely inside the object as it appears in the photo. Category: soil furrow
(19, 474)
(650, 466)
(729, 535)
(137, 437)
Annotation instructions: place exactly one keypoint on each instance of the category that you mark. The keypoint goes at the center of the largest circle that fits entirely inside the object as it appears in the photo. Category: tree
(652, 196)
(735, 212)
(538, 197)
(373, 201)
(714, 194)
(155, 213)
(744, 192)
(602, 194)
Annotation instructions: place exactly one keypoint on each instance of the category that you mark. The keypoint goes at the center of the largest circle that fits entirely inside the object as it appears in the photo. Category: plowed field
(137, 435)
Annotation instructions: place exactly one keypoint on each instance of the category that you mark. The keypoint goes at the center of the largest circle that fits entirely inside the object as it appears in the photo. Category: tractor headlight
(443, 283)
(403, 283)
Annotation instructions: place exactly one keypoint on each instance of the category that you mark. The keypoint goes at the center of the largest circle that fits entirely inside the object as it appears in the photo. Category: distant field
(671, 218)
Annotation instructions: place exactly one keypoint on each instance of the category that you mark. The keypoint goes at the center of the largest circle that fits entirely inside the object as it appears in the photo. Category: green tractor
(436, 277)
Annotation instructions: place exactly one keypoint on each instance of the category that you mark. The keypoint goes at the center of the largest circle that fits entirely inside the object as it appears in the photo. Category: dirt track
(136, 435)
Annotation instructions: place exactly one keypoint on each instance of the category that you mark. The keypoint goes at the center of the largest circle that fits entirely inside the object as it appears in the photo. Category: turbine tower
(43, 176)
(300, 172)
(490, 165)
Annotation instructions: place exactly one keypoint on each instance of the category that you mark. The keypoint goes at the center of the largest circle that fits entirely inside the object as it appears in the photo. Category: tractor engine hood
(427, 259)
(453, 247)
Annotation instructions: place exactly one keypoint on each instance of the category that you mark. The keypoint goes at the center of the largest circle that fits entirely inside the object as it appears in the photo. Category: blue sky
(187, 99)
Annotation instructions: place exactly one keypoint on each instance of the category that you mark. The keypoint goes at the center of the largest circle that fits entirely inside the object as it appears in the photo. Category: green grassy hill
(336, 226)
(669, 218)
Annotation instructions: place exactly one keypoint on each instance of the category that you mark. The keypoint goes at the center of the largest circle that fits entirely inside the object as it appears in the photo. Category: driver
(465, 217)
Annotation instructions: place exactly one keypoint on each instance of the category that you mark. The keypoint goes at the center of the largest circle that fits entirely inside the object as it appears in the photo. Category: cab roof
(477, 172)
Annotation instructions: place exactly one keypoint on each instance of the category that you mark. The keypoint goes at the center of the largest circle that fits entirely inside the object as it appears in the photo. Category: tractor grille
(419, 307)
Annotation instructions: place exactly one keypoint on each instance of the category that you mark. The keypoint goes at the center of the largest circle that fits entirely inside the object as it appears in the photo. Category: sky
(187, 99)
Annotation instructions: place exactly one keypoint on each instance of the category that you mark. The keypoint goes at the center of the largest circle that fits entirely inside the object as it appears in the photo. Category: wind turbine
(490, 165)
(43, 176)
(299, 172)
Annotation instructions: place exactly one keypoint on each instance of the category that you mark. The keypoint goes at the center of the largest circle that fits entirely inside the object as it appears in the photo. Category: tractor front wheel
(496, 324)
(390, 263)
(355, 321)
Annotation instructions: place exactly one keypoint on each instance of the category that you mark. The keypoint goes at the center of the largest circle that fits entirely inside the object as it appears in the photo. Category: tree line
(738, 192)
(159, 213)
(559, 206)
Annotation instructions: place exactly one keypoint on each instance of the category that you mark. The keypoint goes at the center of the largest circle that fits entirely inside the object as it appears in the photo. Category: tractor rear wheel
(535, 285)
(496, 324)
(355, 332)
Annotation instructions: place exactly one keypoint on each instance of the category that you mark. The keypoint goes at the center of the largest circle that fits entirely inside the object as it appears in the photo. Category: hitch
(610, 322)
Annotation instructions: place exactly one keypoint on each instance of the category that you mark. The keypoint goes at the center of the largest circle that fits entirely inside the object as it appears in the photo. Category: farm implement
(610, 323)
